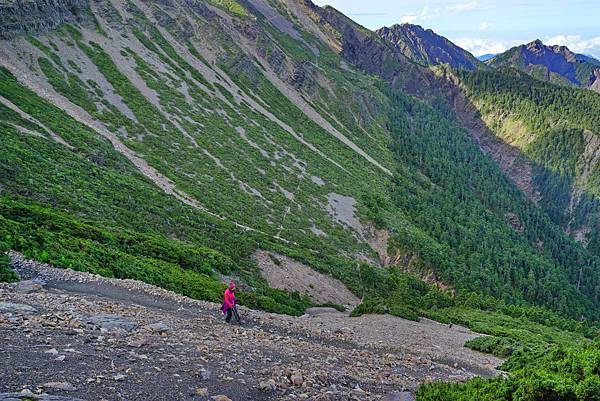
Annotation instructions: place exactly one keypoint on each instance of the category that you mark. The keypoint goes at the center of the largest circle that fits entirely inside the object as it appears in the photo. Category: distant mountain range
(485, 57)
(426, 47)
(556, 64)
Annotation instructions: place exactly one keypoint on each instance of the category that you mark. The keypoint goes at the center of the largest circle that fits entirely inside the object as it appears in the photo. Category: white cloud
(482, 46)
(577, 44)
(464, 6)
(484, 26)
(409, 18)
(427, 13)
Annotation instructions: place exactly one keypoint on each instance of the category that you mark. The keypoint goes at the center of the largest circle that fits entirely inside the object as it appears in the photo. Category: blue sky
(488, 26)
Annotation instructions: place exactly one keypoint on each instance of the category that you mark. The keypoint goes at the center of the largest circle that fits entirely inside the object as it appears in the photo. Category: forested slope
(258, 139)
(557, 129)
(170, 140)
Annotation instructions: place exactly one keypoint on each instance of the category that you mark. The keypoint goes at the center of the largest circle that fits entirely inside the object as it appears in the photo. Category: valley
(397, 214)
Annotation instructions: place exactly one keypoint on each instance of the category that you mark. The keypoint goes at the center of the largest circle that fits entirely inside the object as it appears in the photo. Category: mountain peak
(537, 42)
(554, 63)
(426, 47)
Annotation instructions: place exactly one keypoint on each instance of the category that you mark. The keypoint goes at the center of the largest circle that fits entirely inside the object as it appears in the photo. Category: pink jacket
(229, 298)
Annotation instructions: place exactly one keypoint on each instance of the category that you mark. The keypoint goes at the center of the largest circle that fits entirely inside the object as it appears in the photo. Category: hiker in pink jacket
(229, 303)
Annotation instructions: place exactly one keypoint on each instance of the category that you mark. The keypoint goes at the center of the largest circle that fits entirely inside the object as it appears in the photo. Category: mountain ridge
(555, 64)
(427, 47)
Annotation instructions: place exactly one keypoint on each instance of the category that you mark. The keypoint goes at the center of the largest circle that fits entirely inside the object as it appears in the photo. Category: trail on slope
(107, 336)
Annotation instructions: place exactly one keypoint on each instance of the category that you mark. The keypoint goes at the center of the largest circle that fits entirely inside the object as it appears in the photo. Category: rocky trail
(70, 335)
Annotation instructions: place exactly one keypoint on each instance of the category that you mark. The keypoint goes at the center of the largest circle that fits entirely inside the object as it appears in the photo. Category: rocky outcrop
(29, 17)
(594, 81)
(426, 47)
(288, 274)
(365, 50)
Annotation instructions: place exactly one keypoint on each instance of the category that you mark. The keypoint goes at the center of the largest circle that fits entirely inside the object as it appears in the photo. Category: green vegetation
(499, 346)
(537, 104)
(554, 126)
(52, 237)
(7, 275)
(565, 374)
(455, 204)
(232, 6)
(446, 206)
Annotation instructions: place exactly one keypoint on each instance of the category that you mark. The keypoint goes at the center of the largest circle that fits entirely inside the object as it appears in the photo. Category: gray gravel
(100, 339)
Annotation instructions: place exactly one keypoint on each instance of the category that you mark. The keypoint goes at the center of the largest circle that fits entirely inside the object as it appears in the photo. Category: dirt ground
(81, 336)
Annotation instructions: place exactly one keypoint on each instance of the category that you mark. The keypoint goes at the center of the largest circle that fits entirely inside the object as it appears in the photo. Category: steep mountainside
(187, 143)
(549, 147)
(179, 137)
(555, 64)
(427, 47)
(552, 158)
(578, 219)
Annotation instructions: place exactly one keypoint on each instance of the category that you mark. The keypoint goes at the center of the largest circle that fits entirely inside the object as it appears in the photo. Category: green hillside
(256, 147)
(556, 128)
(168, 141)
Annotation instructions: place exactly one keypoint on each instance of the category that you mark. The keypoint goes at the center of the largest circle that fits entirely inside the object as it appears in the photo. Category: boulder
(23, 309)
(297, 379)
(29, 286)
(64, 386)
(158, 328)
(268, 385)
(399, 396)
(221, 397)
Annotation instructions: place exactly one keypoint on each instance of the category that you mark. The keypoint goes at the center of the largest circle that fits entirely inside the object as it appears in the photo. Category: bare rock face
(27, 17)
(594, 82)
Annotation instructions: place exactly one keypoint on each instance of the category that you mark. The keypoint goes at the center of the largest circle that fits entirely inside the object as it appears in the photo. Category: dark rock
(29, 286)
(9, 307)
(112, 322)
(29, 17)
(37, 397)
(399, 396)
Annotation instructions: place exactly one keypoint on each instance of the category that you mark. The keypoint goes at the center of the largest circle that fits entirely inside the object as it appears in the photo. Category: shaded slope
(396, 72)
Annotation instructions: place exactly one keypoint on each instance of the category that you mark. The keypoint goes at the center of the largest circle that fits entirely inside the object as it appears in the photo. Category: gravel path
(94, 338)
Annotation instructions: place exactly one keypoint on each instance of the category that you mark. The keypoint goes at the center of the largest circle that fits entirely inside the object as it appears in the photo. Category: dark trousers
(233, 311)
